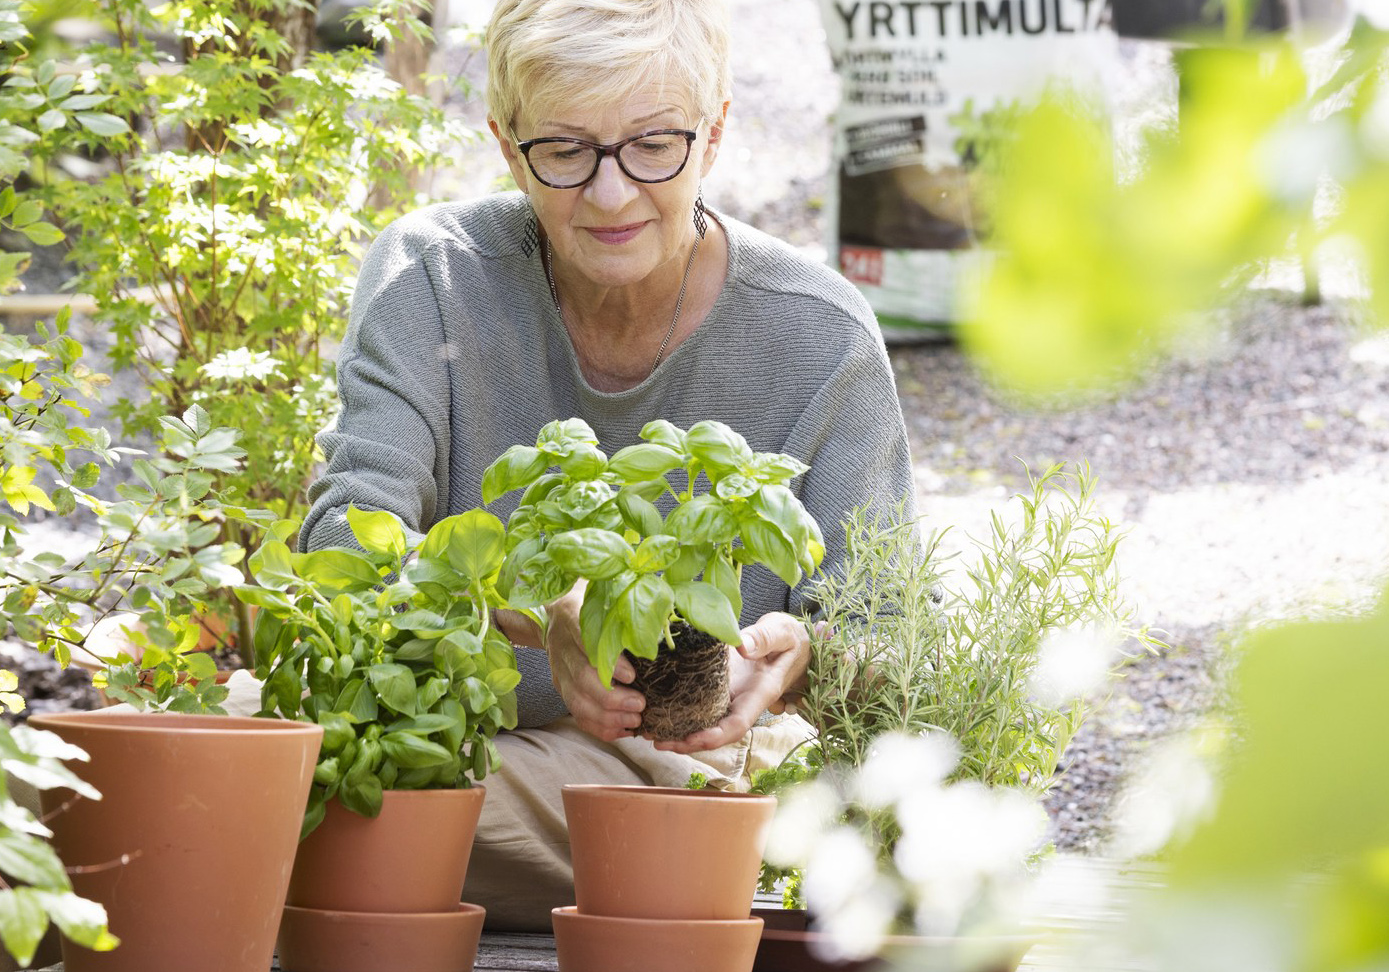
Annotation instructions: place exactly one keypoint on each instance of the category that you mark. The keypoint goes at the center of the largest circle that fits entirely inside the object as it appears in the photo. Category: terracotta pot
(313, 940)
(593, 943)
(787, 946)
(655, 852)
(411, 858)
(191, 846)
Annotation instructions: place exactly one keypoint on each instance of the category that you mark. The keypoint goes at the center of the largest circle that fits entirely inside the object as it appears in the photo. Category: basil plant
(391, 649)
(583, 515)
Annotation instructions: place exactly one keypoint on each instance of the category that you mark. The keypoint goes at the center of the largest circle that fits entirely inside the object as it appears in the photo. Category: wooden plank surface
(516, 953)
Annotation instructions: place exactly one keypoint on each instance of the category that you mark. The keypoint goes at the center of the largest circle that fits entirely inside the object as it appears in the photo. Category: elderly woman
(604, 289)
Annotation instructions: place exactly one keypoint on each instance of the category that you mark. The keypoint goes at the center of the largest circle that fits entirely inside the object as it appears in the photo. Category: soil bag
(925, 86)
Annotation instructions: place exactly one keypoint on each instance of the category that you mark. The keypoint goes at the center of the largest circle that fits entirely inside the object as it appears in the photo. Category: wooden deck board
(516, 953)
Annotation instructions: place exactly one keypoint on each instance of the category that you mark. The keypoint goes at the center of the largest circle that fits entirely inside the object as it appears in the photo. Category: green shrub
(221, 245)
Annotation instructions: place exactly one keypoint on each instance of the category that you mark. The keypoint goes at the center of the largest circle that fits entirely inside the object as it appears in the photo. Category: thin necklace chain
(679, 301)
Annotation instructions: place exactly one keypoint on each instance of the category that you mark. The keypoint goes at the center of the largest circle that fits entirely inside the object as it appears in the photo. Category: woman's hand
(769, 666)
(604, 713)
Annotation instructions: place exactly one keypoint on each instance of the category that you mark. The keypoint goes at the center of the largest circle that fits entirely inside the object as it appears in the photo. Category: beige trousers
(520, 867)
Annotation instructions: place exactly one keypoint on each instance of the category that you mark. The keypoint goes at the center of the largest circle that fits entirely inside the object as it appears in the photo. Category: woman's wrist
(519, 629)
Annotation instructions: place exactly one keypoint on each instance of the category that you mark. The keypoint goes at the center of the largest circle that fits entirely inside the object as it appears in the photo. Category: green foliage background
(1093, 279)
(1093, 276)
(221, 249)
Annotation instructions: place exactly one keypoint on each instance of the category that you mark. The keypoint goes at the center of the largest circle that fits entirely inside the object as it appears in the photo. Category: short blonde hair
(564, 52)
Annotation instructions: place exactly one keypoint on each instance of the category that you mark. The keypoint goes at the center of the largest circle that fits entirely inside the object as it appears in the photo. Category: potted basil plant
(390, 648)
(665, 589)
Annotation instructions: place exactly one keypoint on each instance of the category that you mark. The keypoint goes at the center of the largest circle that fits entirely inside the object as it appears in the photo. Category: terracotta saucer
(319, 940)
(593, 943)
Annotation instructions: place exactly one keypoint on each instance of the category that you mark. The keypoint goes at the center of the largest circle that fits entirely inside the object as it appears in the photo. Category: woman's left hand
(769, 665)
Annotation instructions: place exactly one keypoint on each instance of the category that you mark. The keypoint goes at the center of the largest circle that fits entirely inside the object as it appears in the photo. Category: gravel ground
(1252, 472)
(1253, 478)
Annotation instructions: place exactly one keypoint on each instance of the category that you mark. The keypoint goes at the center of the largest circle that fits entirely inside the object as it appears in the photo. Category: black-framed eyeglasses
(568, 163)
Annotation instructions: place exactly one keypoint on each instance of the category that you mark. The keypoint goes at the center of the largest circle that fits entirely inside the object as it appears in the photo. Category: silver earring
(701, 222)
(530, 235)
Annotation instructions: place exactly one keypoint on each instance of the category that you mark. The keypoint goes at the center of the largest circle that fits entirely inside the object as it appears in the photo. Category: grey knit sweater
(455, 352)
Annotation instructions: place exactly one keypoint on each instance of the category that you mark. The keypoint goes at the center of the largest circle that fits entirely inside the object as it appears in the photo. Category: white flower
(802, 816)
(1071, 663)
(857, 929)
(899, 765)
(840, 869)
(967, 827)
(242, 363)
(957, 839)
(1173, 792)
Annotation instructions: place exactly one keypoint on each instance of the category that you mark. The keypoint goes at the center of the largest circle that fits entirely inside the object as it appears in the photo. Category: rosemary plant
(907, 648)
(903, 647)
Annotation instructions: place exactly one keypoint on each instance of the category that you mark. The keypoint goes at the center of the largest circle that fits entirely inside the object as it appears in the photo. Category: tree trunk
(407, 60)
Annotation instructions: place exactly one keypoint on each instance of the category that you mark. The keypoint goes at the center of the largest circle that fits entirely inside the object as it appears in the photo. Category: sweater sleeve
(389, 449)
(853, 436)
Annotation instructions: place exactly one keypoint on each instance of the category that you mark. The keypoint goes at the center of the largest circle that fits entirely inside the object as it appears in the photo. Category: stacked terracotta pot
(190, 846)
(664, 879)
(383, 893)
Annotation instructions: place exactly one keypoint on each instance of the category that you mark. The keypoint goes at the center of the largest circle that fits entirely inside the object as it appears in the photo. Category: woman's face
(613, 230)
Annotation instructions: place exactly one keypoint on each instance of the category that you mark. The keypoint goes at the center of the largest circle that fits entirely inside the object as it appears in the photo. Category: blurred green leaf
(1293, 798)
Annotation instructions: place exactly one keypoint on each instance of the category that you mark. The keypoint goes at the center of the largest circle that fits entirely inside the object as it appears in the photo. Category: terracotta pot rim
(433, 793)
(653, 792)
(571, 913)
(464, 911)
(150, 722)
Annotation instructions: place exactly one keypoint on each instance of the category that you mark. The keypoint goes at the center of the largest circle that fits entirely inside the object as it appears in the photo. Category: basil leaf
(717, 446)
(516, 467)
(655, 553)
(583, 461)
(639, 513)
(559, 438)
(478, 544)
(337, 569)
(539, 582)
(379, 531)
(704, 606)
(778, 505)
(413, 752)
(395, 686)
(645, 607)
(643, 462)
(777, 467)
(767, 545)
(660, 432)
(591, 553)
(724, 576)
(704, 519)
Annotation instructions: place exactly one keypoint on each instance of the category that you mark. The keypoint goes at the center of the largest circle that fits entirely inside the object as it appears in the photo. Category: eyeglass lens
(651, 158)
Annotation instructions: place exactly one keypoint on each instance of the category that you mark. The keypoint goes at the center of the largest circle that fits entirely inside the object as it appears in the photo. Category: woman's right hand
(604, 713)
